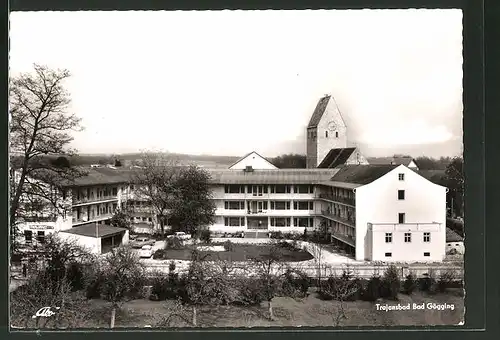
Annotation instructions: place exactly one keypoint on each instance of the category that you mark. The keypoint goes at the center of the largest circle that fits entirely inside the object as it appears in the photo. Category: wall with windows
(401, 201)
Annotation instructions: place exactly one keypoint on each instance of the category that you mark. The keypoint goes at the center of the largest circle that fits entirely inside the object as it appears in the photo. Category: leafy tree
(455, 179)
(290, 161)
(120, 219)
(154, 182)
(61, 162)
(193, 207)
(39, 125)
(118, 163)
(122, 277)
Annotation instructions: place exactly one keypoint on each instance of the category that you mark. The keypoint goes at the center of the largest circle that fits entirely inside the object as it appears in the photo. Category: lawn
(240, 252)
(310, 311)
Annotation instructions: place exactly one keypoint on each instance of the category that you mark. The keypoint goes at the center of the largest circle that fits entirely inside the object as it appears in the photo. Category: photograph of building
(319, 174)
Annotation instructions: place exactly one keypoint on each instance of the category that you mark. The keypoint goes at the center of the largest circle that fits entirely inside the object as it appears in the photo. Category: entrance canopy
(97, 231)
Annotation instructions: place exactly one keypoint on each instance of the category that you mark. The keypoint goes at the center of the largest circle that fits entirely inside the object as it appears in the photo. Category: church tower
(326, 131)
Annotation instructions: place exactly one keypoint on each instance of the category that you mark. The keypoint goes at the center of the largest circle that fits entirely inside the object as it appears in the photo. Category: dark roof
(435, 176)
(104, 175)
(362, 174)
(336, 157)
(248, 154)
(390, 160)
(318, 112)
(452, 236)
(89, 230)
(275, 176)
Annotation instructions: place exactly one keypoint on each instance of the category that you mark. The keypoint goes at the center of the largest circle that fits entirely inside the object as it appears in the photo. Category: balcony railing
(351, 223)
(350, 240)
(86, 200)
(101, 217)
(339, 199)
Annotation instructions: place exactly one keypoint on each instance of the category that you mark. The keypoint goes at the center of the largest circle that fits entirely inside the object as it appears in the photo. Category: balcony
(336, 218)
(350, 240)
(139, 209)
(337, 199)
(101, 217)
(91, 200)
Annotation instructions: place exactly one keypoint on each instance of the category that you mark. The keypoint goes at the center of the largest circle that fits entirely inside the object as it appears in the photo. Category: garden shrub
(174, 243)
(159, 254)
(250, 292)
(206, 236)
(295, 284)
(410, 284)
(372, 292)
(391, 283)
(277, 235)
(75, 276)
(446, 280)
(228, 246)
(427, 283)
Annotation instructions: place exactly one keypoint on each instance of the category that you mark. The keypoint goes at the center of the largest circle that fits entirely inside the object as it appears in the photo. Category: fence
(361, 271)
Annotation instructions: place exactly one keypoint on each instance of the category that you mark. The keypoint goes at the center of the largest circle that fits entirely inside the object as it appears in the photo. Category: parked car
(142, 241)
(146, 251)
(180, 235)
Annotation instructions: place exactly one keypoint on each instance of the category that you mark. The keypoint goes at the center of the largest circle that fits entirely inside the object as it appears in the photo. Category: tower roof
(320, 110)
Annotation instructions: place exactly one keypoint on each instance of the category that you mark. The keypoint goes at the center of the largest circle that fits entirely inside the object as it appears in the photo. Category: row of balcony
(337, 199)
(328, 214)
(350, 240)
(269, 212)
(87, 200)
(91, 219)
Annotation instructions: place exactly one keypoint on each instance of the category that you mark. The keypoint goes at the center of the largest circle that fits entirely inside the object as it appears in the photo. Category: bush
(159, 254)
(345, 287)
(228, 246)
(410, 284)
(426, 283)
(250, 292)
(75, 276)
(390, 283)
(277, 235)
(206, 236)
(446, 280)
(174, 243)
(295, 284)
(166, 287)
(372, 292)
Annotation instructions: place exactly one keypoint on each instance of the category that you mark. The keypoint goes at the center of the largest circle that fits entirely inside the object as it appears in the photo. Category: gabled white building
(254, 161)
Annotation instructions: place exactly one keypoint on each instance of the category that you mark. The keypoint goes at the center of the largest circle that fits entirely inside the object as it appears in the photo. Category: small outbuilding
(454, 243)
(98, 238)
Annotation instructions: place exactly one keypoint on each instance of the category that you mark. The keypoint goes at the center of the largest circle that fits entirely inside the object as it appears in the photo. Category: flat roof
(89, 230)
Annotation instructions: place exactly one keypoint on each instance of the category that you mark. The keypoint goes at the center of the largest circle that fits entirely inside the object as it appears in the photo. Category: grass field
(310, 311)
(240, 252)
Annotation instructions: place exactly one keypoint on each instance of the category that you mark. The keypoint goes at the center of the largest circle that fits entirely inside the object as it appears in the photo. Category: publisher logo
(45, 312)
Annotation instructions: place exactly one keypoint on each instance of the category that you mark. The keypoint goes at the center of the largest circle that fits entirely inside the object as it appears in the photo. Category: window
(407, 237)
(280, 205)
(115, 191)
(401, 194)
(427, 237)
(234, 189)
(388, 254)
(326, 134)
(234, 205)
(336, 134)
(388, 237)
(28, 235)
(280, 222)
(302, 205)
(401, 218)
(280, 189)
(426, 254)
(234, 221)
(303, 222)
(302, 189)
(401, 177)
(150, 219)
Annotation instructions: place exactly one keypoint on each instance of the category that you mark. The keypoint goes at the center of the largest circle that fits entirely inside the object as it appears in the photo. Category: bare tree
(269, 270)
(40, 125)
(122, 275)
(339, 290)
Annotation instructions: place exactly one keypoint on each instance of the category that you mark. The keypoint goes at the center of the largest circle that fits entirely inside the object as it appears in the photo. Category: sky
(231, 82)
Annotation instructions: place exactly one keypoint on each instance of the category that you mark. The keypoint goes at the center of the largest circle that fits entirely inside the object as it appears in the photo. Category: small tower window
(336, 134)
(326, 134)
